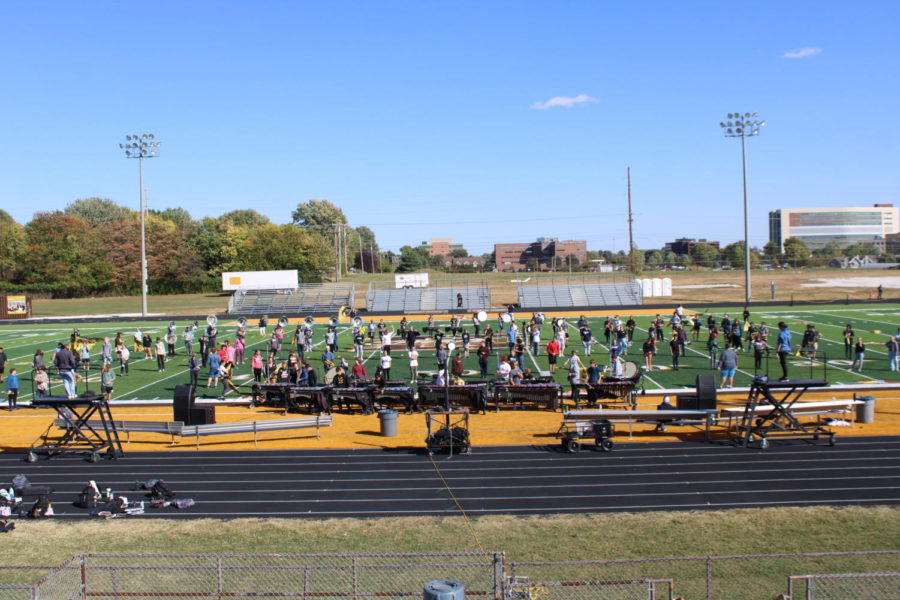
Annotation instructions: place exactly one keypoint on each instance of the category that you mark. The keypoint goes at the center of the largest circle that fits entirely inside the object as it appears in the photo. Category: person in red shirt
(553, 353)
(358, 371)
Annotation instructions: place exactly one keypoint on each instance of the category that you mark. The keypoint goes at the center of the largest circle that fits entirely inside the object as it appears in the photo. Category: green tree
(437, 262)
(99, 211)
(489, 261)
(684, 260)
(179, 216)
(572, 261)
(734, 255)
(670, 258)
(653, 258)
(12, 245)
(795, 252)
(281, 247)
(412, 259)
(214, 247)
(704, 255)
(319, 216)
(861, 250)
(64, 251)
(532, 264)
(459, 253)
(246, 217)
(635, 260)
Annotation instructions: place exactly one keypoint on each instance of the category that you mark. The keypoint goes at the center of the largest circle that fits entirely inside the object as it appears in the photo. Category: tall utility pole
(630, 221)
(141, 147)
(744, 126)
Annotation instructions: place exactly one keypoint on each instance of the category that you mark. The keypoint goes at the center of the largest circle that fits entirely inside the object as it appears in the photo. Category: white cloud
(565, 101)
(805, 52)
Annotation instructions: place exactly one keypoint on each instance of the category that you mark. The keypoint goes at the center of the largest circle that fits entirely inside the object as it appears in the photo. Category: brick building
(440, 246)
(540, 254)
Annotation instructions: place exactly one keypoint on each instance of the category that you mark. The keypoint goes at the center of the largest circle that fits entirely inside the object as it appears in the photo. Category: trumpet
(242, 322)
(212, 320)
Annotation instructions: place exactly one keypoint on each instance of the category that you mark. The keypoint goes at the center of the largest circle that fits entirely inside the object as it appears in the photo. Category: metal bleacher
(579, 294)
(441, 297)
(307, 298)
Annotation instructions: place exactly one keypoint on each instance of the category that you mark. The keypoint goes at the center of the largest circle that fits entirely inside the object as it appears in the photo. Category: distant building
(542, 254)
(440, 246)
(846, 226)
(683, 246)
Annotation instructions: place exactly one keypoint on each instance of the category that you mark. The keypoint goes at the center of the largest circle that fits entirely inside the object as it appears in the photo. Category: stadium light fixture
(743, 125)
(141, 147)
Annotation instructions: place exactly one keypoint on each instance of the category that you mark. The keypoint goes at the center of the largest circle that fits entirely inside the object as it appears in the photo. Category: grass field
(874, 324)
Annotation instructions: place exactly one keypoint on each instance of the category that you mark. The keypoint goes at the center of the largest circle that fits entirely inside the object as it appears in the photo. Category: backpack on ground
(160, 491)
(87, 498)
(40, 508)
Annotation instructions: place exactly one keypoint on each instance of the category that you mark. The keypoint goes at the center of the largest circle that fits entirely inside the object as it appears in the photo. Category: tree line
(93, 247)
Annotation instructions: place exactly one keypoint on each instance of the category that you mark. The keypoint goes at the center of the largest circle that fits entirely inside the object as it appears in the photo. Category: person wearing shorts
(727, 366)
(553, 354)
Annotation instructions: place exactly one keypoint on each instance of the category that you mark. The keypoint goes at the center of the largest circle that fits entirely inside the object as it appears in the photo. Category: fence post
(355, 578)
(219, 579)
(83, 565)
(499, 579)
(709, 578)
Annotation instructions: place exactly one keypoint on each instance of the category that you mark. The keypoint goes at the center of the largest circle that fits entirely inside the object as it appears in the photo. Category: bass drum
(631, 370)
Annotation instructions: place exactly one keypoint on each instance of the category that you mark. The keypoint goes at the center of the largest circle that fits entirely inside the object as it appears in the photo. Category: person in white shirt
(386, 365)
(503, 368)
(386, 340)
(413, 365)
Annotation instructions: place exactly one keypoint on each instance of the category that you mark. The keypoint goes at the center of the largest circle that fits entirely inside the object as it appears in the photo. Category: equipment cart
(777, 419)
(571, 434)
(77, 435)
(448, 430)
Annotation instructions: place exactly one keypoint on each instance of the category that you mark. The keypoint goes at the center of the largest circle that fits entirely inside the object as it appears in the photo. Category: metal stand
(78, 436)
(768, 416)
(443, 425)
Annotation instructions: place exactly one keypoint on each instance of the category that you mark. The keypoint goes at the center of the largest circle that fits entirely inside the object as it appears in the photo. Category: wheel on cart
(605, 445)
(94, 457)
(31, 457)
(571, 445)
(832, 441)
(763, 443)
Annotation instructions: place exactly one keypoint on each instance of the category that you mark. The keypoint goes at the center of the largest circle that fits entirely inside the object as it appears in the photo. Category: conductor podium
(78, 435)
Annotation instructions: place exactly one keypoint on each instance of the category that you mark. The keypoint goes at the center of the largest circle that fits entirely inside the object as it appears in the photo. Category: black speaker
(184, 397)
(202, 415)
(706, 391)
(686, 402)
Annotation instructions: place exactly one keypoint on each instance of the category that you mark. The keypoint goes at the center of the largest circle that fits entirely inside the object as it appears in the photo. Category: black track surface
(495, 480)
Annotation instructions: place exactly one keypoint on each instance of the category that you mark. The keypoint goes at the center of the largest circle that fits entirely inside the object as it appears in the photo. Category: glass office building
(845, 226)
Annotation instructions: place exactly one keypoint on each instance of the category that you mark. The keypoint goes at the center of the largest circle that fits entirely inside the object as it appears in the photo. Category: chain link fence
(871, 586)
(485, 575)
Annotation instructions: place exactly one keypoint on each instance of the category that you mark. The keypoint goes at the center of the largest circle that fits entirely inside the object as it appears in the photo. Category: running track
(492, 480)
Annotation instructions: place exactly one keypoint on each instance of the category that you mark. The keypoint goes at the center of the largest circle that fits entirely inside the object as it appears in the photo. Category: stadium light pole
(743, 126)
(141, 147)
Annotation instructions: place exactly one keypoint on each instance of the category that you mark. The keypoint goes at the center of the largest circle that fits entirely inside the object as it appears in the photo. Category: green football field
(875, 324)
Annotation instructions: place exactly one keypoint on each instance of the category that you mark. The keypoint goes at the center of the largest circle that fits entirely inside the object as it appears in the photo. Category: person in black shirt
(340, 378)
(312, 380)
(411, 336)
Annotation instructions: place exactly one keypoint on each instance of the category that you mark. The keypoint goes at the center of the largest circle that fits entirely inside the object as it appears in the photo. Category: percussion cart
(448, 430)
(571, 434)
(780, 421)
(78, 436)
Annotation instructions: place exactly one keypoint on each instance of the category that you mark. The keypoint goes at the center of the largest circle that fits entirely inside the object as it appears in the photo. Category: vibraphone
(607, 392)
(292, 397)
(390, 396)
(346, 397)
(473, 396)
(541, 395)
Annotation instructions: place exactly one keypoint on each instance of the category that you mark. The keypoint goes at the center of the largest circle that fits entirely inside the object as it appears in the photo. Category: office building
(440, 246)
(542, 254)
(844, 226)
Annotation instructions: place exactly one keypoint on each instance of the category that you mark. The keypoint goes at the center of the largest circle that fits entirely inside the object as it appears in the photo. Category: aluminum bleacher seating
(579, 294)
(307, 298)
(440, 298)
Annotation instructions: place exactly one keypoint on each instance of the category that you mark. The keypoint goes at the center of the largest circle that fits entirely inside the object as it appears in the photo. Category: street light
(141, 147)
(743, 126)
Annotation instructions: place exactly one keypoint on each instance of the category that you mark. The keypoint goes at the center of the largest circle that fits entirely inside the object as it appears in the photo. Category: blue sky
(424, 119)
